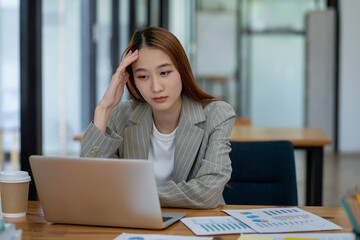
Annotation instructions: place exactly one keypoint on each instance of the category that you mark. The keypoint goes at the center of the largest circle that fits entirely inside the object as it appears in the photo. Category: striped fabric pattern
(202, 165)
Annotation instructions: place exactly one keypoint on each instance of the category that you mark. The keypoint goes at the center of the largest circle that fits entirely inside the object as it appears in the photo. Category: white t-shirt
(161, 153)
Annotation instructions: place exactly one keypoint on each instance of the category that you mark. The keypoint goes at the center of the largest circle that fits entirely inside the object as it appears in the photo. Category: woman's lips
(160, 99)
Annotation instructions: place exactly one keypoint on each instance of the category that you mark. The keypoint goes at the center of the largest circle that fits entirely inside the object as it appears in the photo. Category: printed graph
(281, 220)
(280, 217)
(220, 225)
(216, 225)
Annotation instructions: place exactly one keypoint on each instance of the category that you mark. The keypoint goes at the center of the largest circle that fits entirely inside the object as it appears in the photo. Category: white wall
(349, 119)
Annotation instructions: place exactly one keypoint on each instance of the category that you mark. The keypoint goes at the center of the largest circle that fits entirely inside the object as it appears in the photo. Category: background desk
(310, 139)
(34, 225)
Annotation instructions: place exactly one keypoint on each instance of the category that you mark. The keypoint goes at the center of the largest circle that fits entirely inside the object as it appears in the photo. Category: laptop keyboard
(166, 218)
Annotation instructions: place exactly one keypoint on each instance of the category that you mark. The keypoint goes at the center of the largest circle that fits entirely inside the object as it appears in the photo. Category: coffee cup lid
(14, 177)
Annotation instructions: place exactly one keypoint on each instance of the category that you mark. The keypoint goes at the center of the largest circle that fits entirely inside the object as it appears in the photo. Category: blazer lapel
(137, 135)
(188, 138)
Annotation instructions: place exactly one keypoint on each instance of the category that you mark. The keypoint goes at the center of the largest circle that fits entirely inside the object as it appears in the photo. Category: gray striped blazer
(202, 165)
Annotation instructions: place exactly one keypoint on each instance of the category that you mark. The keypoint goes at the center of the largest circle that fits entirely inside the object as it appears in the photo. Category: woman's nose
(157, 85)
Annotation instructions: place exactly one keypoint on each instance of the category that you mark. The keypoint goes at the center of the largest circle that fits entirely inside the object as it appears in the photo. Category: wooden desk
(34, 225)
(78, 137)
(310, 139)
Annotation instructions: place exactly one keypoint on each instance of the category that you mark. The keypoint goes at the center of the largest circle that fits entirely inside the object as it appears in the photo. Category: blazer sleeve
(206, 188)
(97, 144)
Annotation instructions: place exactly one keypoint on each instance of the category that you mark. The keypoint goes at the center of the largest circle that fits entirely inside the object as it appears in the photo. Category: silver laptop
(96, 191)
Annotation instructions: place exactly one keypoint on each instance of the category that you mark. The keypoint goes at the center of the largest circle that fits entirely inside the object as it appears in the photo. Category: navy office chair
(263, 174)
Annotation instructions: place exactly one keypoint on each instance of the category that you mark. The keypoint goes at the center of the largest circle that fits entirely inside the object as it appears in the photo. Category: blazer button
(93, 153)
(96, 148)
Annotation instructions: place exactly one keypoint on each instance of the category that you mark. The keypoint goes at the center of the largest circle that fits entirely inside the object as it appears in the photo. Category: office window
(61, 76)
(103, 46)
(279, 14)
(9, 84)
(272, 78)
(124, 25)
(181, 24)
(142, 13)
(216, 49)
(104, 34)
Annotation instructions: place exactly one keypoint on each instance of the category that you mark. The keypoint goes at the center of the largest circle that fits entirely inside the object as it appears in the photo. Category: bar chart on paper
(216, 225)
(282, 220)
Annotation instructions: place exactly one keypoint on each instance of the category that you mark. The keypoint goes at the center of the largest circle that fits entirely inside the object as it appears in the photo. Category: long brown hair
(162, 39)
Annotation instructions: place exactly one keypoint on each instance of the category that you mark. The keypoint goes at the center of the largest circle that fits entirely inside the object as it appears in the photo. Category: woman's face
(157, 80)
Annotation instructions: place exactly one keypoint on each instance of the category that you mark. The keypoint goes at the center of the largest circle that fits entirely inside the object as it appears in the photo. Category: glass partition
(272, 79)
(9, 85)
(61, 29)
(103, 46)
(216, 48)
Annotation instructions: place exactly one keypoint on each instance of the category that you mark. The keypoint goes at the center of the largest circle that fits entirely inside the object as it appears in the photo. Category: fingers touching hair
(159, 38)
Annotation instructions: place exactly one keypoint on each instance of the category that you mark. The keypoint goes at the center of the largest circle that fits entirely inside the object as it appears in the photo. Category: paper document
(215, 225)
(131, 236)
(292, 219)
(321, 236)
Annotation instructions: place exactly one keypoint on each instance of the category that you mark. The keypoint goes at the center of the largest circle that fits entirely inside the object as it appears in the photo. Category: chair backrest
(263, 174)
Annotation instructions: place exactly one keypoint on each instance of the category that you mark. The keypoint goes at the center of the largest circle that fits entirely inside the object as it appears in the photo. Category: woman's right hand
(114, 92)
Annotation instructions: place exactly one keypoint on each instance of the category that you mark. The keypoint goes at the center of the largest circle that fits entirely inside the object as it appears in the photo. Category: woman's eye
(165, 73)
(142, 77)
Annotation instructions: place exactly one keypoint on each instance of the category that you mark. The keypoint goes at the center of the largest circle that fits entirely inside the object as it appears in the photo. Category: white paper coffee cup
(14, 193)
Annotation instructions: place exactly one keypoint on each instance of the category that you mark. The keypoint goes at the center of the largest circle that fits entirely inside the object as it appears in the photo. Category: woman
(169, 120)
